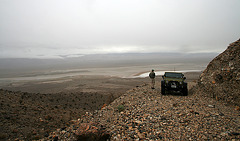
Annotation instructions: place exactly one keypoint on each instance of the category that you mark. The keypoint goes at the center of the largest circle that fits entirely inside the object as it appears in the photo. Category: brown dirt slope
(29, 116)
(31, 110)
(221, 78)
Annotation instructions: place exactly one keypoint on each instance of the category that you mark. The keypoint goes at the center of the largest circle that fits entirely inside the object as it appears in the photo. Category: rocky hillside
(221, 78)
(145, 114)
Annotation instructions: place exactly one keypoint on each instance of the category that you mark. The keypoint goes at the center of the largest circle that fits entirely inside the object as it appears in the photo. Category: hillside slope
(28, 116)
(221, 78)
(143, 113)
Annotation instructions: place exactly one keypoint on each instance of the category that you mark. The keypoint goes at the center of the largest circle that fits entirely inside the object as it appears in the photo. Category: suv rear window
(173, 75)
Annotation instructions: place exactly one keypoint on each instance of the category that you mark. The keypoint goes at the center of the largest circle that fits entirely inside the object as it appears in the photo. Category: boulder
(91, 132)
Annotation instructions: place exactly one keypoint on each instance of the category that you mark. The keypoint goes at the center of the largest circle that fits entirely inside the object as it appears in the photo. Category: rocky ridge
(221, 78)
(145, 114)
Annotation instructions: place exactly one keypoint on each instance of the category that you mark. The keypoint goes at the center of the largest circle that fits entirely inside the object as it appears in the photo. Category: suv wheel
(163, 88)
(185, 91)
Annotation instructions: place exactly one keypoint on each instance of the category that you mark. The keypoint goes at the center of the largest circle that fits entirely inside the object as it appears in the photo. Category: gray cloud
(60, 27)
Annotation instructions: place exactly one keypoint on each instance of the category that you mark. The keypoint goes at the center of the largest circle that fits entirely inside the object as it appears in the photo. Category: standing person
(152, 76)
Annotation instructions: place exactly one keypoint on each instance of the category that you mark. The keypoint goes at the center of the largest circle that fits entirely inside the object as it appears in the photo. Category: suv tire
(163, 91)
(185, 90)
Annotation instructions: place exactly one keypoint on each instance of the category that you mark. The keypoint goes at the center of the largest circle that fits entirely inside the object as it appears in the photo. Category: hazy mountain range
(11, 66)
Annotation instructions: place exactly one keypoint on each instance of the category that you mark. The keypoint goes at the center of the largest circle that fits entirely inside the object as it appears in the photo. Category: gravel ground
(145, 114)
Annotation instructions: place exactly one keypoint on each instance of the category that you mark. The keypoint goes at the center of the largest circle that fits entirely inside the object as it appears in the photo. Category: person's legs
(153, 83)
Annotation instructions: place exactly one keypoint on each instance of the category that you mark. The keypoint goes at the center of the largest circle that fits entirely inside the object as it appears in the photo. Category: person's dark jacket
(152, 75)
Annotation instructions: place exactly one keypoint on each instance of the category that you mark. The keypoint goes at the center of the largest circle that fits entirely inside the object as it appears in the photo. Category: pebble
(211, 106)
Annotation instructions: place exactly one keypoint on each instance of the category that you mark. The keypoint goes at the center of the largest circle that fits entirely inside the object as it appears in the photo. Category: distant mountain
(18, 65)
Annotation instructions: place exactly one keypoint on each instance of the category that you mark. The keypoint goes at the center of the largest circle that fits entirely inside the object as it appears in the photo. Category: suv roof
(173, 75)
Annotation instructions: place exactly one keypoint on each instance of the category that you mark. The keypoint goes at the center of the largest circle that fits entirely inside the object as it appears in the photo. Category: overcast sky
(52, 28)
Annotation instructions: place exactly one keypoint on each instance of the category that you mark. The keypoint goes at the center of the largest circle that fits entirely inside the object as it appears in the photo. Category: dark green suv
(173, 81)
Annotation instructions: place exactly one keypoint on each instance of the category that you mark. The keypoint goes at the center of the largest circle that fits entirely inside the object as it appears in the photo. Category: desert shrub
(120, 108)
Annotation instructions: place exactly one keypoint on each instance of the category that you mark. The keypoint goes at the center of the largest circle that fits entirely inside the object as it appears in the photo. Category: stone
(91, 131)
(104, 105)
(221, 114)
(237, 108)
(211, 106)
(234, 133)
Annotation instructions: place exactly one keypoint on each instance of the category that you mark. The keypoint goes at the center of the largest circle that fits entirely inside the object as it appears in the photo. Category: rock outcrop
(221, 78)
